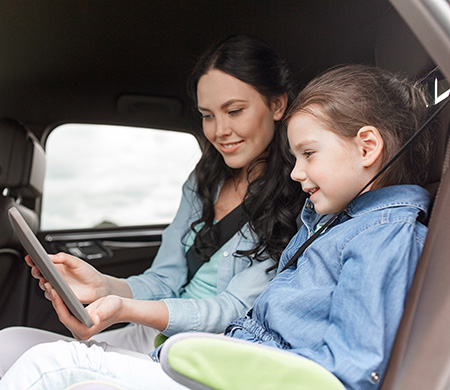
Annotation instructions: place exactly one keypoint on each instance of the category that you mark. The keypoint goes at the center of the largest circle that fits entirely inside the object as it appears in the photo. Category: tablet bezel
(46, 266)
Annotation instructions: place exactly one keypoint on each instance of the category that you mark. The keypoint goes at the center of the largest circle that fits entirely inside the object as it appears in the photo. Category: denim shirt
(341, 304)
(238, 283)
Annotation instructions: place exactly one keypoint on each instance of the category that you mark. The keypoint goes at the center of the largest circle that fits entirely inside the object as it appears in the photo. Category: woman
(241, 88)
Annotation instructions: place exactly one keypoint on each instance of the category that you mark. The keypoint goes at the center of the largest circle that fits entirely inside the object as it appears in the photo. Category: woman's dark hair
(273, 200)
(349, 97)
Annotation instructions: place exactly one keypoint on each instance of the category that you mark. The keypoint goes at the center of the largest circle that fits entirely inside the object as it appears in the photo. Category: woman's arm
(110, 310)
(238, 285)
(172, 315)
(168, 271)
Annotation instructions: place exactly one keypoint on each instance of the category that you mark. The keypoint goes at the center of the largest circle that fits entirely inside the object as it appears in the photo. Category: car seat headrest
(22, 160)
(398, 50)
(8, 238)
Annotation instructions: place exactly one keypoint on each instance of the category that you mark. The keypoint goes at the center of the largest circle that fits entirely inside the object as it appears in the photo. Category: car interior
(126, 63)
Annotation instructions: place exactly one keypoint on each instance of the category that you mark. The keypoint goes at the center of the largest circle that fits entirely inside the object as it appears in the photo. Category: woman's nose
(222, 128)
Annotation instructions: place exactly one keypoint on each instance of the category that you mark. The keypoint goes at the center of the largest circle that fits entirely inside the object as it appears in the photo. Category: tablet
(47, 268)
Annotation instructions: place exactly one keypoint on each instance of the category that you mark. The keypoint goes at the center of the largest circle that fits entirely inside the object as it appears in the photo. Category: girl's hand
(87, 283)
(104, 312)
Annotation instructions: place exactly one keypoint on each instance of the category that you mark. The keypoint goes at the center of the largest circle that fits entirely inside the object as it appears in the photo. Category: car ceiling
(126, 61)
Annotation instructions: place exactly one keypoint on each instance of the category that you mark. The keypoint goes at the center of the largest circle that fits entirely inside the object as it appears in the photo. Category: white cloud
(129, 176)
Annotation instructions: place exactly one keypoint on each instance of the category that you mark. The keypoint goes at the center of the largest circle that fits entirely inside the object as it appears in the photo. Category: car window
(441, 89)
(114, 176)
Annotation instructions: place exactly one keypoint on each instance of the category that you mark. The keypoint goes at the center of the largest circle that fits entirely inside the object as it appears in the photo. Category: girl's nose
(298, 173)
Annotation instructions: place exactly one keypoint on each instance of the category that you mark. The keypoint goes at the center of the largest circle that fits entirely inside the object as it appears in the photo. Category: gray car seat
(22, 170)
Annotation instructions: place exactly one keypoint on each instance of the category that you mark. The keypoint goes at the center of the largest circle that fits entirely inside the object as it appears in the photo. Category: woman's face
(236, 118)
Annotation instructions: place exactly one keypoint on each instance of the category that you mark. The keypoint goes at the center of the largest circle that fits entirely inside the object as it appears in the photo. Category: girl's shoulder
(391, 202)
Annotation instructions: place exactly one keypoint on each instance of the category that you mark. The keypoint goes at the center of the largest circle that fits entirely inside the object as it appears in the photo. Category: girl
(241, 88)
(340, 302)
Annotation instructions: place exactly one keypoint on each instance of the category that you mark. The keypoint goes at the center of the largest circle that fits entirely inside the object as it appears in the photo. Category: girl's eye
(308, 153)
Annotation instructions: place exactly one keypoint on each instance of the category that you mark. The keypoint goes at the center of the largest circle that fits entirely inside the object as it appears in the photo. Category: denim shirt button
(310, 206)
(374, 377)
(225, 254)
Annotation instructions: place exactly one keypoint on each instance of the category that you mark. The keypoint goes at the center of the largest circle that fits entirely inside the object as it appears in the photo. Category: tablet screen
(46, 266)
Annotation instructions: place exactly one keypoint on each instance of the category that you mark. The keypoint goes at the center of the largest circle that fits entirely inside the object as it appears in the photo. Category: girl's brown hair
(349, 97)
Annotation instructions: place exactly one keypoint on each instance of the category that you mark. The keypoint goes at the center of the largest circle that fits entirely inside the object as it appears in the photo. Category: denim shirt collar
(378, 199)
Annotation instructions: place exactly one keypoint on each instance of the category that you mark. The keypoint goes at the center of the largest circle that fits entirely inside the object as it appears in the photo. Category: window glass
(114, 176)
(441, 90)
(438, 86)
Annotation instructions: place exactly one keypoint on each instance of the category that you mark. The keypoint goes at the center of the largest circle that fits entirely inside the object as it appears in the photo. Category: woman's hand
(87, 283)
(110, 310)
(104, 313)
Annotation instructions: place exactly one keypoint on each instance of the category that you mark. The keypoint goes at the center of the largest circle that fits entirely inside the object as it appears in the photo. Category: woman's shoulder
(190, 185)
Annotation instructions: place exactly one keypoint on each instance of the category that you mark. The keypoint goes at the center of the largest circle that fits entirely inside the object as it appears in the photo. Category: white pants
(15, 341)
(60, 364)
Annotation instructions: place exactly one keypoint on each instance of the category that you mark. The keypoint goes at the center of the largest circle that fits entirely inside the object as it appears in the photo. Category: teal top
(204, 282)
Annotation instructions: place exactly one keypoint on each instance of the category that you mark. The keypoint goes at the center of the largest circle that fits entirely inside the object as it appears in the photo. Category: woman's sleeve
(239, 283)
(367, 304)
(214, 314)
(168, 271)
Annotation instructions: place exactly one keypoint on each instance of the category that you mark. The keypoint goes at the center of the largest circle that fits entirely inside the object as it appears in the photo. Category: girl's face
(329, 167)
(237, 119)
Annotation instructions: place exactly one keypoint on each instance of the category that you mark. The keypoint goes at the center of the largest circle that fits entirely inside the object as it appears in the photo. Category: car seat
(421, 352)
(22, 170)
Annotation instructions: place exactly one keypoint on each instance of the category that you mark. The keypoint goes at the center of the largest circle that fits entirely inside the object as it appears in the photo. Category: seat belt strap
(224, 229)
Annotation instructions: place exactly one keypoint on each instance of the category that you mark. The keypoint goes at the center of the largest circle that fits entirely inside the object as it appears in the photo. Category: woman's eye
(235, 112)
(308, 153)
(205, 117)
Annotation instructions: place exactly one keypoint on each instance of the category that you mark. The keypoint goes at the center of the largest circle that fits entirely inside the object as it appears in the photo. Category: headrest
(398, 50)
(8, 238)
(22, 160)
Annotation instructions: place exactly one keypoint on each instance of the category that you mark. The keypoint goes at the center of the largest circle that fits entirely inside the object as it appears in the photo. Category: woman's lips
(230, 147)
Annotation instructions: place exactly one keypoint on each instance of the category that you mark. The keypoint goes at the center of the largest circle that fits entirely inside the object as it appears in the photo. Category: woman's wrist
(111, 285)
(154, 314)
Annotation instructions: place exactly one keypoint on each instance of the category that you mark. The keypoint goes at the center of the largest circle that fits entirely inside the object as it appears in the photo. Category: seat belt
(308, 242)
(224, 229)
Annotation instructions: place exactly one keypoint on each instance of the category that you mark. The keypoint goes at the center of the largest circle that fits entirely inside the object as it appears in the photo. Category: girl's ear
(370, 144)
(278, 106)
